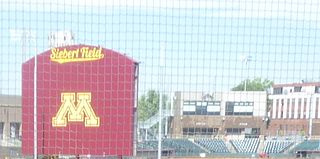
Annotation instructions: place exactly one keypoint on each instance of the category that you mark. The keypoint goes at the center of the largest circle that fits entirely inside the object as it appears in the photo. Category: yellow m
(69, 112)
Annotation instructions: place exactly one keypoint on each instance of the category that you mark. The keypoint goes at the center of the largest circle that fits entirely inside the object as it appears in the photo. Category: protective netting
(181, 78)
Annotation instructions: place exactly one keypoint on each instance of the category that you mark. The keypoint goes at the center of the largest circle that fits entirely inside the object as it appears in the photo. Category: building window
(277, 90)
(14, 130)
(297, 89)
(317, 89)
(235, 131)
(239, 108)
(201, 108)
(1, 130)
(199, 131)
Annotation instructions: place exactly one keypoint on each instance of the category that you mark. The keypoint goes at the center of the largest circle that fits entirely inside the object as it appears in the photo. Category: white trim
(302, 108)
(274, 108)
(243, 109)
(318, 107)
(308, 107)
(290, 108)
(213, 109)
(285, 105)
(279, 109)
(296, 108)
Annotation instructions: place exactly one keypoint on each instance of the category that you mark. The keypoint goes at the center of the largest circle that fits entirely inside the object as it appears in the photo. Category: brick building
(232, 113)
(10, 119)
(294, 109)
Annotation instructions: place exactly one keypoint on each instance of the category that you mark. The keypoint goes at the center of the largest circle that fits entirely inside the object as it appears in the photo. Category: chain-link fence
(151, 79)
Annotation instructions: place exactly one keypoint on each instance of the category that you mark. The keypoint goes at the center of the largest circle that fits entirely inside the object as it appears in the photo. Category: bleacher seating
(308, 145)
(148, 145)
(213, 145)
(247, 145)
(277, 146)
(181, 147)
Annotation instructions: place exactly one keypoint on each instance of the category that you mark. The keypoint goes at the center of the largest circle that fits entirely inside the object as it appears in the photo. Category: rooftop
(10, 100)
(302, 84)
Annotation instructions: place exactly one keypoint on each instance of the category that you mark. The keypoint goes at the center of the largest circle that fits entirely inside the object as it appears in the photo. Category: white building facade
(294, 108)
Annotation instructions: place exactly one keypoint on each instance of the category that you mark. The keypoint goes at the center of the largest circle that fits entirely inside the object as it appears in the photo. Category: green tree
(148, 105)
(257, 84)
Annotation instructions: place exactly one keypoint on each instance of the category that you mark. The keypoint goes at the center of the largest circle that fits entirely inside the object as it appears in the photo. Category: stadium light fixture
(246, 59)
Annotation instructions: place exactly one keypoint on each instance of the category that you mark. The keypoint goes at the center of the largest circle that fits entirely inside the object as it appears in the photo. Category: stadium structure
(295, 109)
(10, 125)
(239, 124)
(85, 98)
(281, 123)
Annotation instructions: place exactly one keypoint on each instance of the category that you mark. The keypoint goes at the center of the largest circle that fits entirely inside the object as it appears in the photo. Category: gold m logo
(70, 111)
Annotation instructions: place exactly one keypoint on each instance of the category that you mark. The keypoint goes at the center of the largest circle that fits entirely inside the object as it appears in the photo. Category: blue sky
(203, 39)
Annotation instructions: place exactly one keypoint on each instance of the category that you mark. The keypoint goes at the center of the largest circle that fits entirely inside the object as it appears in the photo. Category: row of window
(200, 131)
(202, 103)
(213, 131)
(14, 130)
(247, 131)
(232, 108)
(295, 89)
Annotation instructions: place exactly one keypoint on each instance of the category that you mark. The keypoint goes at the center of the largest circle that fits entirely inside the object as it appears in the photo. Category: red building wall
(111, 81)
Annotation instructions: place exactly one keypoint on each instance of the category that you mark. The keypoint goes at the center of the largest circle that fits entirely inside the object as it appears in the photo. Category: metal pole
(160, 125)
(35, 153)
(136, 125)
(310, 117)
(245, 81)
(246, 59)
(166, 119)
(161, 64)
(26, 36)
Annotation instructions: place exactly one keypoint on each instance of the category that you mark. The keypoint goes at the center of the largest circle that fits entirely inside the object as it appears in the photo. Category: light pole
(246, 59)
(161, 71)
(28, 36)
(310, 116)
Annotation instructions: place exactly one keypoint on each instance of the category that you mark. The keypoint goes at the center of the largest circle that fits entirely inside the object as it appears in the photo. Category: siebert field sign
(85, 102)
(76, 54)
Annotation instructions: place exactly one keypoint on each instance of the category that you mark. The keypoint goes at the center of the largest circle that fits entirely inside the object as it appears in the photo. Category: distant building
(60, 38)
(10, 118)
(222, 113)
(294, 108)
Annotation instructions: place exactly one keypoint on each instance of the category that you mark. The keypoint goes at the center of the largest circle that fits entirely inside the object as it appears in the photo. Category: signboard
(85, 102)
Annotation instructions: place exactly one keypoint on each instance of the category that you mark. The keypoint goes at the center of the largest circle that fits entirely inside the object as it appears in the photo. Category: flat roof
(10, 100)
(296, 84)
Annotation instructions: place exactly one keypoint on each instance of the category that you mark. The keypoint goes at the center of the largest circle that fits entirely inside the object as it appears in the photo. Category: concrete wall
(10, 112)
(9, 115)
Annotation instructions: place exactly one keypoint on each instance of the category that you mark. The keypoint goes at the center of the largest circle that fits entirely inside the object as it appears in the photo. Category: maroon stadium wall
(85, 102)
